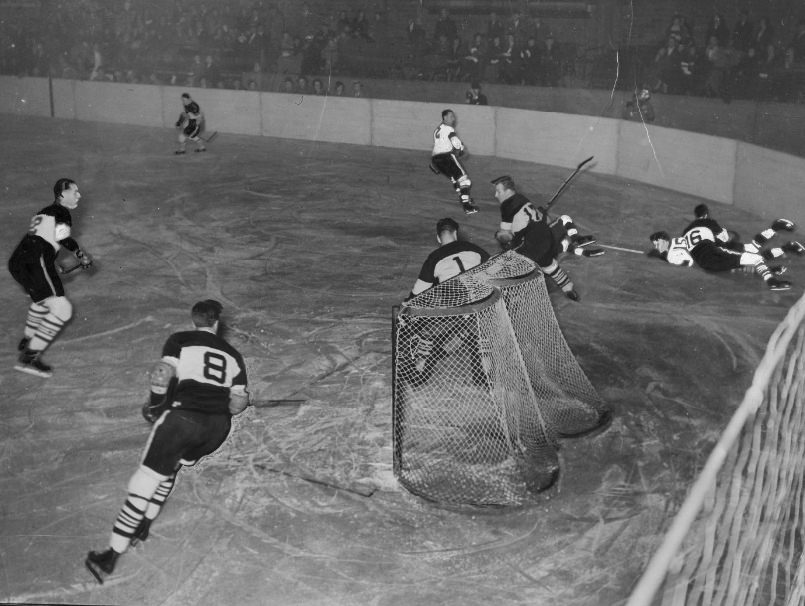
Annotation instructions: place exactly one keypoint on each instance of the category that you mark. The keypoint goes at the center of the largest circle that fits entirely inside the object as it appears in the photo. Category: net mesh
(742, 543)
(475, 417)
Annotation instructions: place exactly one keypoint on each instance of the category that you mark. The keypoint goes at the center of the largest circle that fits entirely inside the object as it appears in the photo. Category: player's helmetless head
(446, 230)
(206, 314)
(186, 100)
(504, 188)
(448, 117)
(660, 240)
(66, 192)
(701, 211)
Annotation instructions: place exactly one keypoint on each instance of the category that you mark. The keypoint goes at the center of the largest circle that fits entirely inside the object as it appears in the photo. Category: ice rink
(309, 245)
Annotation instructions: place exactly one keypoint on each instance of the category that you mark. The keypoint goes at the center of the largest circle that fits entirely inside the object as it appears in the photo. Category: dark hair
(659, 235)
(506, 181)
(185, 95)
(206, 313)
(446, 224)
(445, 112)
(701, 211)
(62, 185)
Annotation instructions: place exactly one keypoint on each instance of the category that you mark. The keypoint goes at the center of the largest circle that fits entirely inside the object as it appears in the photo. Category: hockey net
(738, 538)
(476, 417)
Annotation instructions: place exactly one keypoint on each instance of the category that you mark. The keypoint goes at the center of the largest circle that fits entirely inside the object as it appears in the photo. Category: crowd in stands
(745, 60)
(270, 45)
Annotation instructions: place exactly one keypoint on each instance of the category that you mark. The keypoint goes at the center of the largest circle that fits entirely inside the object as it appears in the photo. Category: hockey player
(447, 148)
(33, 266)
(526, 229)
(706, 244)
(189, 124)
(196, 388)
(451, 258)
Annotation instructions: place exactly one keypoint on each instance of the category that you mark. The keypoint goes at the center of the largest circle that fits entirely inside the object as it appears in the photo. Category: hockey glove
(84, 259)
(153, 409)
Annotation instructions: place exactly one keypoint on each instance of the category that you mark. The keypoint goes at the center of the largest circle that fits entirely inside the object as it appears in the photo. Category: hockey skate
(101, 563)
(777, 284)
(29, 361)
(783, 225)
(469, 207)
(794, 247)
(573, 295)
(23, 344)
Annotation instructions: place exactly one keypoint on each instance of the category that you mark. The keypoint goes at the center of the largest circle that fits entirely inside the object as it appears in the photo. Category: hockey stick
(273, 403)
(210, 138)
(70, 270)
(565, 184)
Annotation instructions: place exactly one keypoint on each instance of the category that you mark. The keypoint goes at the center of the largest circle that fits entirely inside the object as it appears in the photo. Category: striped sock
(36, 313)
(48, 328)
(159, 497)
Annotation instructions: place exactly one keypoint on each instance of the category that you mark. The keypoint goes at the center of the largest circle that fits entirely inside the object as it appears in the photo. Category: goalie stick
(562, 187)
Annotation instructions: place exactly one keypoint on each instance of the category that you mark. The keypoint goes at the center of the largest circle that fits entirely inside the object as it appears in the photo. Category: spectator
(445, 26)
(318, 87)
(312, 50)
(474, 64)
(763, 38)
(212, 72)
(530, 59)
(455, 58)
(494, 59)
(343, 24)
(667, 65)
(550, 63)
(678, 29)
(719, 62)
(475, 96)
(339, 89)
(302, 86)
(743, 33)
(329, 55)
(361, 27)
(259, 45)
(797, 45)
(522, 27)
(690, 70)
(510, 66)
(288, 63)
(357, 89)
(416, 34)
(719, 29)
(495, 27)
(287, 85)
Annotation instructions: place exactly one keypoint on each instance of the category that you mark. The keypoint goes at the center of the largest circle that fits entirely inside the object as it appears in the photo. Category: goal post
(475, 419)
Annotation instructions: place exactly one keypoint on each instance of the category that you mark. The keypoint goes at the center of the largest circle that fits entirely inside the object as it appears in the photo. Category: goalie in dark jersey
(33, 266)
(453, 257)
(190, 123)
(196, 388)
(705, 243)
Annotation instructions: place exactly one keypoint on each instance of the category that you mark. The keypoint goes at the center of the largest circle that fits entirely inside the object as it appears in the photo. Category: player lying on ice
(713, 248)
